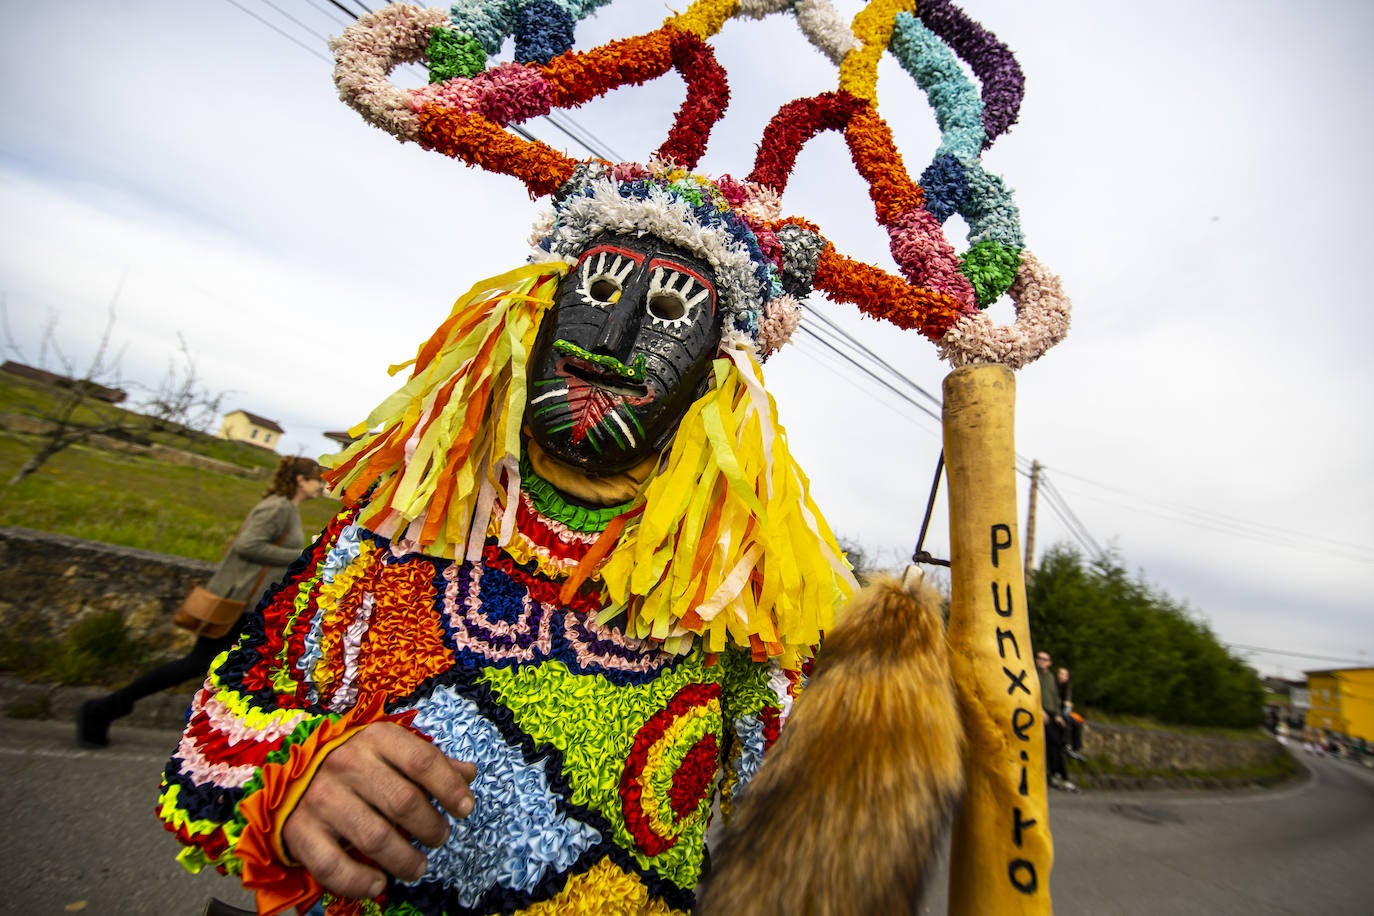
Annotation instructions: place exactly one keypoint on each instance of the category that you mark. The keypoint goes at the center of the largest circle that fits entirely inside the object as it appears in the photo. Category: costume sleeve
(256, 542)
(255, 735)
(756, 699)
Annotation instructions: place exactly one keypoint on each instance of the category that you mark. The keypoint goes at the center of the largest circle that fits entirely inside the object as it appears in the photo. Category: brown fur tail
(845, 814)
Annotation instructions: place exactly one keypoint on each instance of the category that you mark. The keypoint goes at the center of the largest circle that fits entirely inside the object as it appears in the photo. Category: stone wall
(1123, 757)
(48, 582)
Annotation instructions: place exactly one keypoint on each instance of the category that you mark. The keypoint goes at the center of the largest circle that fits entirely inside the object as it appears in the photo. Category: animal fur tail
(845, 814)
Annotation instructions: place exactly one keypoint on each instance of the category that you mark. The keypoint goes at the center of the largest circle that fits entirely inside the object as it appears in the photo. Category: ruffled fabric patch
(492, 619)
(604, 890)
(637, 755)
(521, 829)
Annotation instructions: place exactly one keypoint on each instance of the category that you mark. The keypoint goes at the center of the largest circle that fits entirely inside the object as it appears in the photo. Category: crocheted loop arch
(466, 111)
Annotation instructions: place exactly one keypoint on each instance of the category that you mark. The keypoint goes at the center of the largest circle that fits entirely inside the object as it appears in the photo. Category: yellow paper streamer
(447, 442)
(730, 545)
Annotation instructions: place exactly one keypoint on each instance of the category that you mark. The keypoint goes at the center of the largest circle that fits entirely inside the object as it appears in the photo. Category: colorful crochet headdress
(723, 542)
(466, 109)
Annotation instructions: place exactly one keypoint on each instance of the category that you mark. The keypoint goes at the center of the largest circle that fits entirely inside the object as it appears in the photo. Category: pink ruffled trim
(927, 259)
(203, 770)
(508, 93)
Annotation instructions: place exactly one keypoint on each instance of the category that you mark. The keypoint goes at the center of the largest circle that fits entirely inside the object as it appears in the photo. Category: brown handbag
(206, 614)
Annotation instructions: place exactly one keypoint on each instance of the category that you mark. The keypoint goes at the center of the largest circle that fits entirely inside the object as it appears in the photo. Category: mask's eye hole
(667, 306)
(604, 275)
(604, 289)
(675, 296)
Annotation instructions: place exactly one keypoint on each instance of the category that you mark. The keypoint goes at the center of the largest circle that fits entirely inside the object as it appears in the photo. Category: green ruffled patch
(452, 54)
(594, 723)
(744, 683)
(991, 268)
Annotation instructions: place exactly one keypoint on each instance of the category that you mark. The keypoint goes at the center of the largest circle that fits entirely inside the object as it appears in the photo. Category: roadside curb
(20, 699)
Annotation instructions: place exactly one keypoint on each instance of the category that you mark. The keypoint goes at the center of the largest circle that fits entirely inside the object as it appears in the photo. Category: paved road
(78, 835)
(1306, 849)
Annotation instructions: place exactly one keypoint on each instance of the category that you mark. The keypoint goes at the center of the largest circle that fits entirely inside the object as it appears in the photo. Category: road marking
(81, 753)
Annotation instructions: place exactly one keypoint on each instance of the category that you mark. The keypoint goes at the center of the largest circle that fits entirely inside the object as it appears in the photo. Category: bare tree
(81, 410)
(855, 553)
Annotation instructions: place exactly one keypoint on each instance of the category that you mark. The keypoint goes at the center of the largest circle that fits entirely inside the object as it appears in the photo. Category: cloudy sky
(1195, 172)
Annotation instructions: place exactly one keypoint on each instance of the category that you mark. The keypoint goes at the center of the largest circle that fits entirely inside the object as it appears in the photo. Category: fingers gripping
(371, 796)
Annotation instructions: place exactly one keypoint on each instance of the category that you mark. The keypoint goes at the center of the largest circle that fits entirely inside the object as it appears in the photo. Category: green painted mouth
(609, 364)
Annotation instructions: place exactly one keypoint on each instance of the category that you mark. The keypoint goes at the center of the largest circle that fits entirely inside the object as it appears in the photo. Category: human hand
(372, 793)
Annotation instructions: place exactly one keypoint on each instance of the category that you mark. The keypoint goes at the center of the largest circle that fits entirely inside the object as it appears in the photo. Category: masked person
(575, 584)
(579, 579)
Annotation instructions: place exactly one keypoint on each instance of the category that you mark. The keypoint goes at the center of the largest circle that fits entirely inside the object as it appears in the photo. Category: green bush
(98, 649)
(1134, 650)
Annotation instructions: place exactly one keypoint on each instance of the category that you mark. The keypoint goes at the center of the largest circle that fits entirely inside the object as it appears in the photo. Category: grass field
(130, 500)
(137, 501)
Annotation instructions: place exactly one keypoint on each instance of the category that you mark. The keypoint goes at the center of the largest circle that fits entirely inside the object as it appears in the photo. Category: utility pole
(1030, 517)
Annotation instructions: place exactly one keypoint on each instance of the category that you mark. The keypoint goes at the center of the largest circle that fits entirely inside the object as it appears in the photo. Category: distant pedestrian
(1073, 721)
(1054, 724)
(271, 537)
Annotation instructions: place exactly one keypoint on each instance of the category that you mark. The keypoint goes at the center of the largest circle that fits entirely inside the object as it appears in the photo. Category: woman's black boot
(93, 720)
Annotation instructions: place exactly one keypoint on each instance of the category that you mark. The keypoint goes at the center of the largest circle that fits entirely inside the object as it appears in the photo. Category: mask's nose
(623, 318)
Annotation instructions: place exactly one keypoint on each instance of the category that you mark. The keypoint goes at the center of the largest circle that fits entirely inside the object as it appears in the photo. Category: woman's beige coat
(270, 539)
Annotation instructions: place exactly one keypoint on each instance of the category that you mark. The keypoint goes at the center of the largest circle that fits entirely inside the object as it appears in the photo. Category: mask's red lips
(591, 374)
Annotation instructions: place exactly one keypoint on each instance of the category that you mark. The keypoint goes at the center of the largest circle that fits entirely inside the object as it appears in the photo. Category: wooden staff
(1002, 850)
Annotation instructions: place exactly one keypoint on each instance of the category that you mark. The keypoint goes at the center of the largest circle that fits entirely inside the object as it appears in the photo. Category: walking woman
(1073, 722)
(271, 537)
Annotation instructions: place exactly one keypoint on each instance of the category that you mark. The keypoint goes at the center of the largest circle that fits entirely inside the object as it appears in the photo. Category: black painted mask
(623, 354)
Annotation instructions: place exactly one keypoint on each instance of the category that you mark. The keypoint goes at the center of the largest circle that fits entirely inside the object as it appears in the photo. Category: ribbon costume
(576, 549)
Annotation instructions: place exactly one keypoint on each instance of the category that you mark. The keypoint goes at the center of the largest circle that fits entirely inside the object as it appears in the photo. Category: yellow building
(242, 426)
(1342, 702)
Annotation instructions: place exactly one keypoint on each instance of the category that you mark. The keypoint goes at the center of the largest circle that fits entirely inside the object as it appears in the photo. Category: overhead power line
(1075, 526)
(896, 373)
(1327, 658)
(1247, 530)
(317, 4)
(280, 31)
(886, 385)
(352, 14)
(285, 15)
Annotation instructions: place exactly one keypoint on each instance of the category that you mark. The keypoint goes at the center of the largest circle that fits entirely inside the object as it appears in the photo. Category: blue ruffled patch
(749, 731)
(542, 32)
(946, 185)
(520, 830)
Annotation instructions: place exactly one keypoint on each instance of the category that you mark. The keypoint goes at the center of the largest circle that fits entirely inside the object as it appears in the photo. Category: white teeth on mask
(607, 266)
(624, 429)
(560, 391)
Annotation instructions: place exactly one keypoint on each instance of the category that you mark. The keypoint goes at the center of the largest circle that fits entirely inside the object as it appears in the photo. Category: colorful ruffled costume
(596, 752)
(607, 669)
